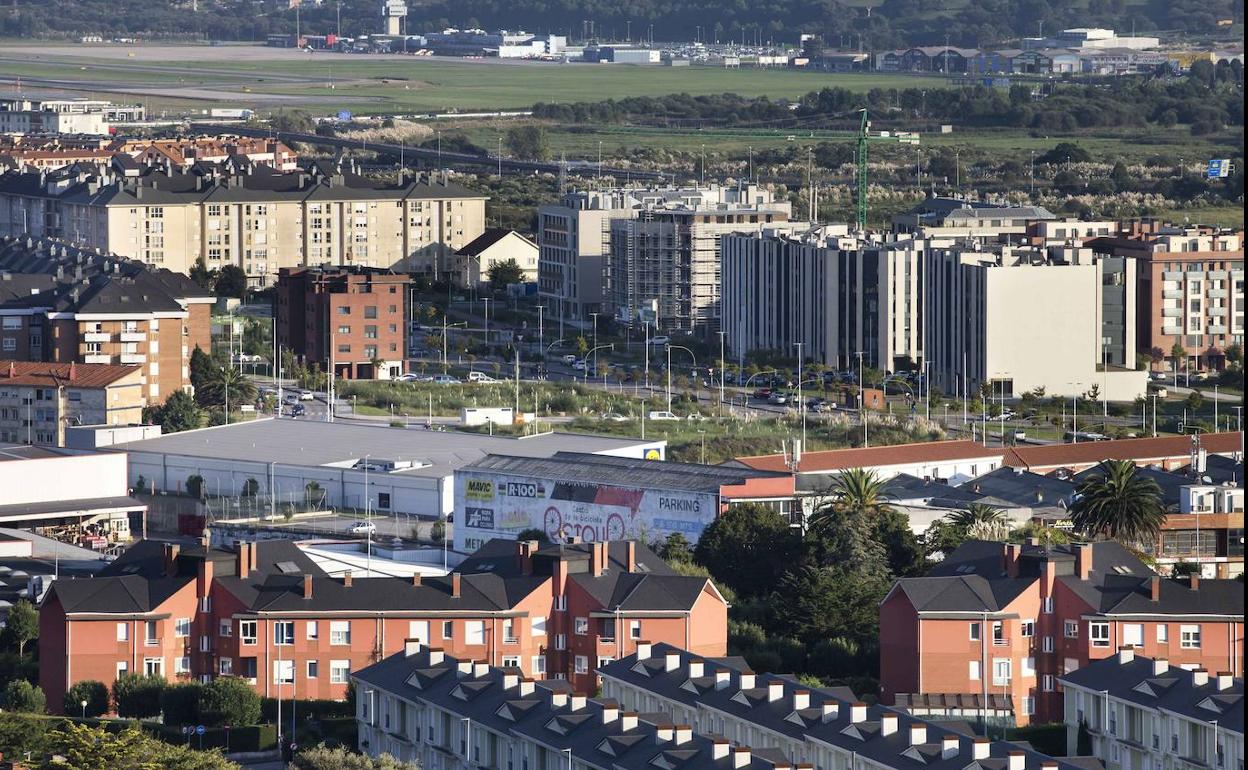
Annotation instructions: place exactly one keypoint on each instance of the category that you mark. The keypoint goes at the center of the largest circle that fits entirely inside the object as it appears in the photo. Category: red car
(762, 393)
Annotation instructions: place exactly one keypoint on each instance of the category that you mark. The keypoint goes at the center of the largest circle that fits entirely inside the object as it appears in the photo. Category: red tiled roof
(75, 375)
(1135, 449)
(900, 454)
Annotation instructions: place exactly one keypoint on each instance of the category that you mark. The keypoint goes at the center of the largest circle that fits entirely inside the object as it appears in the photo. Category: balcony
(1216, 293)
(1173, 331)
(1172, 312)
(133, 358)
(1172, 294)
(97, 337)
(134, 336)
(1216, 329)
(1172, 275)
(97, 358)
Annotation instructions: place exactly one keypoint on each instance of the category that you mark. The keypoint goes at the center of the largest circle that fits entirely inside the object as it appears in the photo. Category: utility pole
(862, 399)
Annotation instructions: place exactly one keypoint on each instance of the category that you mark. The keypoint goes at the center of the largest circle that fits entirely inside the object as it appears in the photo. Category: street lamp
(83, 703)
(446, 326)
(584, 361)
(669, 347)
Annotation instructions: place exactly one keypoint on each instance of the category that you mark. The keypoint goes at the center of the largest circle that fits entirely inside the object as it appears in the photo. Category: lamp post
(669, 347)
(585, 360)
(83, 703)
(721, 370)
(801, 404)
(862, 398)
(446, 326)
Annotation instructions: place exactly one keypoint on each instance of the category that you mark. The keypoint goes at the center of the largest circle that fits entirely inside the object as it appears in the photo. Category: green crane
(864, 136)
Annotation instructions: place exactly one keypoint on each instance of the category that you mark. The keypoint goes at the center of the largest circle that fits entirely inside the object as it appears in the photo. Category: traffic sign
(199, 730)
(344, 115)
(1220, 168)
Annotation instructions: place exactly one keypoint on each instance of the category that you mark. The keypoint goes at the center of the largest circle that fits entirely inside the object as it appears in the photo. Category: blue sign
(1219, 168)
(199, 729)
(344, 115)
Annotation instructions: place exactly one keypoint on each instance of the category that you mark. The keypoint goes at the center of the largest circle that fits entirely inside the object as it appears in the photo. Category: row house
(1142, 713)
(265, 612)
(1002, 619)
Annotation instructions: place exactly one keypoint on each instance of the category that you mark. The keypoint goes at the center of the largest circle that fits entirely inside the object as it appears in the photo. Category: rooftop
(868, 457)
(43, 374)
(1139, 450)
(632, 472)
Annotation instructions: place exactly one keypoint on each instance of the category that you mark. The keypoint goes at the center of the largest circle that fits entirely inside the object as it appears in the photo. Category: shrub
(229, 701)
(137, 696)
(93, 692)
(180, 703)
(20, 695)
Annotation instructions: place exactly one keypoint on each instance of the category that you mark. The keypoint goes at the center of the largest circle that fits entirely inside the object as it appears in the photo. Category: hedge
(306, 709)
(250, 738)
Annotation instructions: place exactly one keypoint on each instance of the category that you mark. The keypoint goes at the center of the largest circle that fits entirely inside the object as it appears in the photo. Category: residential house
(39, 400)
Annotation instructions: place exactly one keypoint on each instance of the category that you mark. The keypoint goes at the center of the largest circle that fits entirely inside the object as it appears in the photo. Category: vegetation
(225, 384)
(21, 626)
(72, 746)
(137, 695)
(93, 693)
(503, 274)
(1119, 503)
(24, 697)
(324, 758)
(229, 700)
(178, 413)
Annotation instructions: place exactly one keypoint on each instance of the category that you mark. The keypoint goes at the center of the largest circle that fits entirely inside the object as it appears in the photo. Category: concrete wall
(75, 477)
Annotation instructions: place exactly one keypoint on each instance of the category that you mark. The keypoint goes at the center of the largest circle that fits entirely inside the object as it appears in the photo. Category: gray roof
(1136, 679)
(485, 240)
(1022, 488)
(625, 471)
(1171, 484)
(313, 443)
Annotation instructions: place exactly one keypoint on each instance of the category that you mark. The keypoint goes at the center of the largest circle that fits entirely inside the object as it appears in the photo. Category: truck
(236, 113)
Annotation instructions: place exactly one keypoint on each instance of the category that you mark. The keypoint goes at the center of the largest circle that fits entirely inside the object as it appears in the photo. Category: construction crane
(864, 137)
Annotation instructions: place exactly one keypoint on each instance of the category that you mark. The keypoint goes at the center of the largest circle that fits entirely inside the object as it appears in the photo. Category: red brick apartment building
(992, 627)
(1190, 290)
(350, 315)
(267, 613)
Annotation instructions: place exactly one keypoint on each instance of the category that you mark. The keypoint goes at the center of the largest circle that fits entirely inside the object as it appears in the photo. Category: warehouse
(594, 497)
(400, 471)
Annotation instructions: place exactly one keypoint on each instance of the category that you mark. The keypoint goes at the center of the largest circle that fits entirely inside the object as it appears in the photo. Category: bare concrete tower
(394, 11)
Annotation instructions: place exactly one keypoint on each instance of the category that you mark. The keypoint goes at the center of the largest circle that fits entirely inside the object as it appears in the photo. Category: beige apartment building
(246, 214)
(39, 400)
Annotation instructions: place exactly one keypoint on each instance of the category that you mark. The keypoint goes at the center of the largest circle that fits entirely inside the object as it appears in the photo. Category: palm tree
(980, 521)
(1119, 503)
(223, 382)
(856, 491)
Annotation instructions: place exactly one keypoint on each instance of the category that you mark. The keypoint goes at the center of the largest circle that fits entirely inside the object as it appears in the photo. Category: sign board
(1220, 168)
(199, 729)
(344, 115)
(493, 505)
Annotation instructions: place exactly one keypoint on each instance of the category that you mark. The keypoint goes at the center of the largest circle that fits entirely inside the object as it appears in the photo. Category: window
(581, 664)
(474, 632)
(1028, 668)
(448, 629)
(538, 665)
(418, 630)
(370, 311)
(1029, 705)
(313, 631)
(974, 632)
(561, 603)
(1002, 671)
(340, 632)
(581, 627)
(344, 310)
(634, 629)
(604, 660)
(511, 661)
(509, 631)
(247, 631)
(383, 500)
(1189, 637)
(1133, 634)
(1047, 682)
(974, 672)
(313, 669)
(225, 666)
(998, 634)
(205, 602)
(154, 667)
(1072, 629)
(284, 633)
(339, 670)
(1099, 634)
(123, 668)
(182, 665)
(283, 672)
(224, 628)
(1163, 633)
(1046, 605)
(150, 639)
(607, 632)
(1027, 628)
(123, 632)
(561, 642)
(1047, 644)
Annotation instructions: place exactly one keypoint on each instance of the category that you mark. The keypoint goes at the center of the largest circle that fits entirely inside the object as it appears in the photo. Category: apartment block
(267, 613)
(39, 400)
(1018, 319)
(61, 303)
(350, 318)
(939, 217)
(1001, 619)
(244, 213)
(834, 293)
(1190, 289)
(665, 708)
(1141, 712)
(184, 152)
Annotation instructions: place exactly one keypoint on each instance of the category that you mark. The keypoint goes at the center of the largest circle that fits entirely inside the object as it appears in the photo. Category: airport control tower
(393, 11)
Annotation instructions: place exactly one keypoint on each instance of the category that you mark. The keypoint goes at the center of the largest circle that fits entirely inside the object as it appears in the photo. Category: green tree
(858, 491)
(231, 283)
(749, 548)
(1194, 401)
(21, 626)
(226, 383)
(905, 551)
(202, 276)
(676, 549)
(20, 695)
(202, 368)
(1119, 503)
(295, 121)
(137, 695)
(981, 522)
(528, 142)
(503, 274)
(325, 758)
(178, 413)
(1234, 354)
(437, 532)
(179, 703)
(228, 700)
(943, 537)
(251, 488)
(94, 693)
(74, 746)
(533, 533)
(1065, 152)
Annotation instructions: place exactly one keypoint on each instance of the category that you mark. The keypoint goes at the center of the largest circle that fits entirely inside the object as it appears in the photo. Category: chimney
(244, 560)
(436, 656)
(801, 699)
(1224, 680)
(983, 747)
(171, 557)
(722, 678)
(858, 712)
(73, 371)
(463, 668)
(410, 647)
(746, 680)
(1083, 560)
(1193, 581)
(204, 577)
(741, 756)
(346, 579)
(455, 585)
(510, 681)
(307, 586)
(684, 734)
(949, 747)
(416, 580)
(597, 559)
(696, 668)
(888, 723)
(775, 690)
(643, 650)
(526, 687)
(1126, 654)
(1017, 760)
(918, 733)
(630, 549)
(664, 733)
(831, 709)
(1154, 588)
(610, 712)
(1048, 764)
(524, 556)
(577, 701)
(558, 699)
(628, 721)
(720, 748)
(1200, 677)
(1160, 666)
(479, 669)
(253, 555)
(1012, 552)
(671, 661)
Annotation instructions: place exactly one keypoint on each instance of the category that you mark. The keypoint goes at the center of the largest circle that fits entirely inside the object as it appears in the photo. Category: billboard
(490, 505)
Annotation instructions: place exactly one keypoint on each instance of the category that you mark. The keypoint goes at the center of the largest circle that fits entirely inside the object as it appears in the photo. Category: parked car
(569, 359)
(777, 398)
(480, 377)
(762, 393)
(298, 410)
(445, 379)
(306, 395)
(662, 416)
(660, 340)
(614, 417)
(578, 365)
(362, 528)
(409, 377)
(695, 417)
